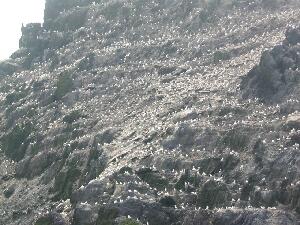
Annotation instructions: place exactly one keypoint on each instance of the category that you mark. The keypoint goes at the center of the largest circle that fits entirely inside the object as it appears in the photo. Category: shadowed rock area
(277, 74)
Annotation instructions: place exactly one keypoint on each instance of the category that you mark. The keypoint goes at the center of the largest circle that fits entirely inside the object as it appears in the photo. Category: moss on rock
(64, 181)
(153, 178)
(14, 144)
(63, 86)
(235, 139)
(220, 56)
(106, 216)
(213, 194)
(72, 117)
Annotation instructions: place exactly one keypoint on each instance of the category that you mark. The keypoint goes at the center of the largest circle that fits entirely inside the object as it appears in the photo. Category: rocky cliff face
(277, 75)
(153, 112)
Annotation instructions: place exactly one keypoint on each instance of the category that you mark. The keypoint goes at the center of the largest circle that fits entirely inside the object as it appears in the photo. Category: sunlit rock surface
(153, 112)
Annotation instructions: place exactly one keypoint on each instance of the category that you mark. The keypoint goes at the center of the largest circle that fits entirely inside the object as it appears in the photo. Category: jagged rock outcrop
(277, 75)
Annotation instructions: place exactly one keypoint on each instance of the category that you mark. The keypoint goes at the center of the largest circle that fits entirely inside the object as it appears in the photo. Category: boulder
(8, 192)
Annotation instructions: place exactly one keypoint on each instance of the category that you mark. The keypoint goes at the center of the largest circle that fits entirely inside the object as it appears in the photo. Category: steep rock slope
(130, 112)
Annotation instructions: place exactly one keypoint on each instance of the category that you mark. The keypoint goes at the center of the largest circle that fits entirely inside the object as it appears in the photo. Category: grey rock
(167, 201)
(293, 36)
(9, 191)
(277, 74)
(53, 218)
(293, 122)
(213, 194)
(136, 114)
(84, 214)
(39, 163)
(183, 135)
(8, 67)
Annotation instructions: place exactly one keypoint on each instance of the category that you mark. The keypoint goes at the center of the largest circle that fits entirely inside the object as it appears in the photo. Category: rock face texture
(277, 75)
(153, 112)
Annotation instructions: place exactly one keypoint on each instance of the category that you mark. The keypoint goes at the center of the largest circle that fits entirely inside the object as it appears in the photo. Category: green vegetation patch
(215, 164)
(64, 181)
(15, 96)
(63, 85)
(112, 10)
(208, 12)
(235, 139)
(187, 177)
(106, 216)
(72, 117)
(167, 201)
(43, 221)
(60, 139)
(221, 56)
(153, 178)
(16, 141)
(213, 194)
